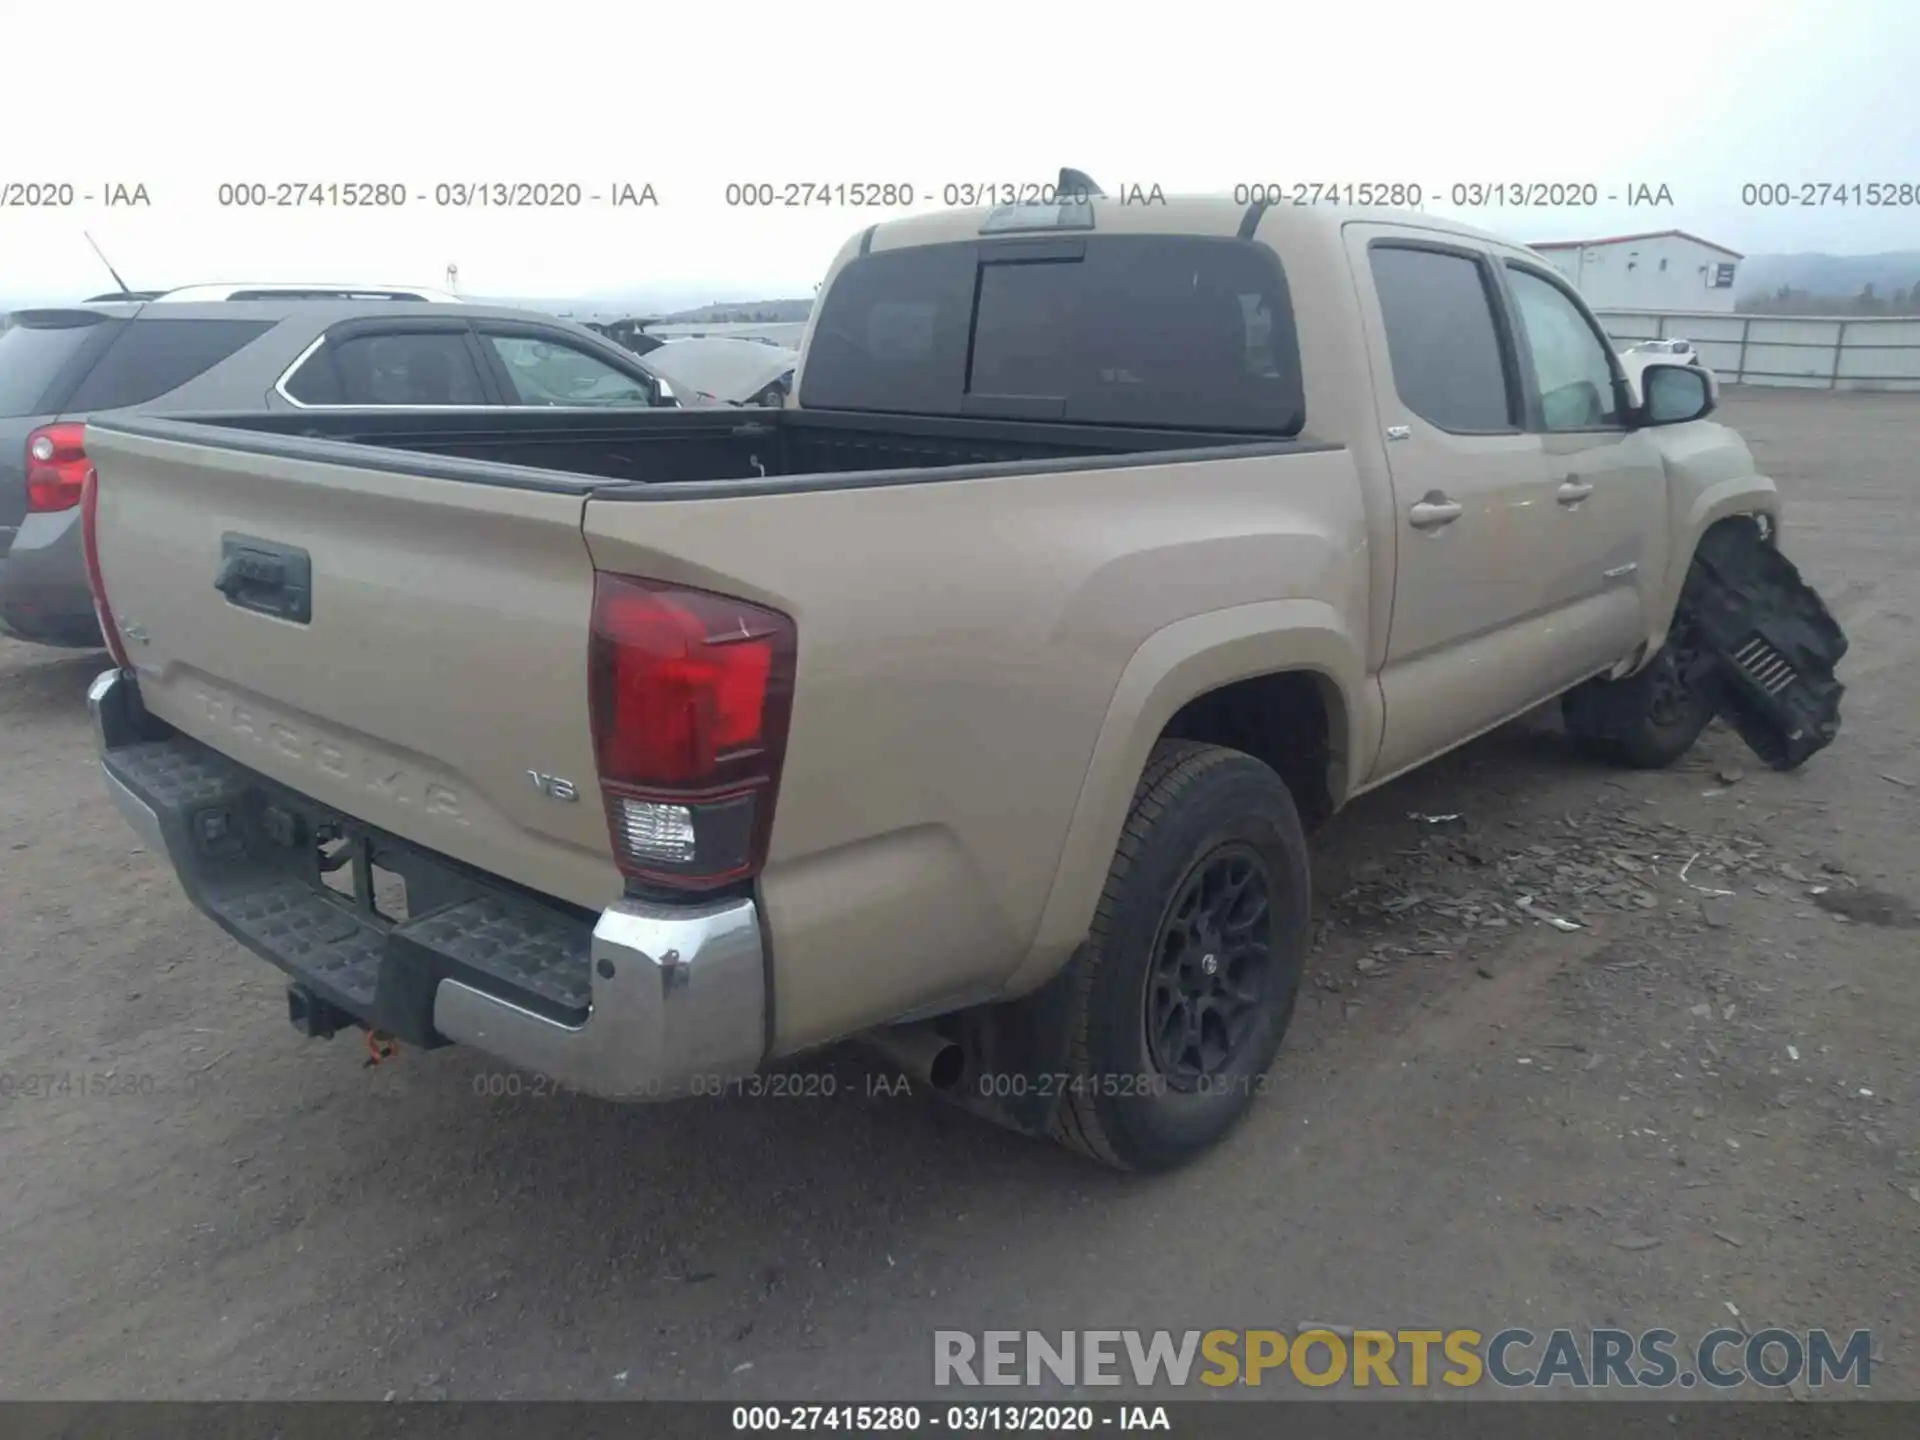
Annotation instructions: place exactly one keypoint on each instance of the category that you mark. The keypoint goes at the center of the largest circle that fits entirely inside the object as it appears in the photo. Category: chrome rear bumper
(679, 1006)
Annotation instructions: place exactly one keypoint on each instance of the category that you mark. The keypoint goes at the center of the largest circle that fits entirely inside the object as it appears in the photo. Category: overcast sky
(1190, 96)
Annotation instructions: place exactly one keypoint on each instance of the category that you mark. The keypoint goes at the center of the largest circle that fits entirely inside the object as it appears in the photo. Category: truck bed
(712, 452)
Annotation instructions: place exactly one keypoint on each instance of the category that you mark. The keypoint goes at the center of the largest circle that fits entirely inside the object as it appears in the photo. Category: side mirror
(1675, 394)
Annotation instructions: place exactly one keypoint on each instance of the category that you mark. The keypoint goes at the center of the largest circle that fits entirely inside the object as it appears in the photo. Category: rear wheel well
(1293, 721)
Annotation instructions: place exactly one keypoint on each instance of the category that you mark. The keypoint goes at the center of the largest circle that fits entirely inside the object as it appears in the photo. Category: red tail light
(691, 694)
(90, 547)
(57, 467)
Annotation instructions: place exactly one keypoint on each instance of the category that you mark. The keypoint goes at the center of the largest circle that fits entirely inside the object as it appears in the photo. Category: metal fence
(1818, 352)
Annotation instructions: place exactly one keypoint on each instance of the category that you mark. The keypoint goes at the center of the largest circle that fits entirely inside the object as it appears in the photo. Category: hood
(730, 370)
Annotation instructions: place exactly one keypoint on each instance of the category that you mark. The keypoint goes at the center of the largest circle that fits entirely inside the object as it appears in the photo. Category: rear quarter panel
(962, 648)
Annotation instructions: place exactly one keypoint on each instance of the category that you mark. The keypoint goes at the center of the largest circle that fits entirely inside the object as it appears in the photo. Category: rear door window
(1165, 331)
(413, 368)
(1442, 338)
(42, 355)
(152, 357)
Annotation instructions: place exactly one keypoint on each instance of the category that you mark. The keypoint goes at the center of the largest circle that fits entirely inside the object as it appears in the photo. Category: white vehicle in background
(1673, 345)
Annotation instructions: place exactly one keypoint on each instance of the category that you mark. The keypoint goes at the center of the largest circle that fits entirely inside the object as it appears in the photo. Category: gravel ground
(1696, 1103)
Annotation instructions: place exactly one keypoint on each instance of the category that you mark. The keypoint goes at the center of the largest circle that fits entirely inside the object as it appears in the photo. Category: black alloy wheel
(1207, 986)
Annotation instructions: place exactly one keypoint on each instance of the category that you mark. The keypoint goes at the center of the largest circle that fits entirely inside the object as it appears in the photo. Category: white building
(1660, 270)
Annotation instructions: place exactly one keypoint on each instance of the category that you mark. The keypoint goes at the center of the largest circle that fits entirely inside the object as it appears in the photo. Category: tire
(1207, 823)
(1647, 720)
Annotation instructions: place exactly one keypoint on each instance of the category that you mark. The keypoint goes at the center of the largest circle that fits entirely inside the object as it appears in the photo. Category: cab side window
(1569, 360)
(1442, 339)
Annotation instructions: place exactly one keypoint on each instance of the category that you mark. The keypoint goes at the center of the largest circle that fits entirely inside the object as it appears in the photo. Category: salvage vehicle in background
(237, 348)
(727, 371)
(978, 704)
(629, 333)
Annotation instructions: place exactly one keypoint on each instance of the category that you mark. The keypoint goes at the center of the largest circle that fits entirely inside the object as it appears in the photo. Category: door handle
(1574, 491)
(1434, 511)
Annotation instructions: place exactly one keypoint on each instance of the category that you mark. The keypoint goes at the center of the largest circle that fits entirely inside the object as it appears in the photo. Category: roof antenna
(1078, 183)
(124, 290)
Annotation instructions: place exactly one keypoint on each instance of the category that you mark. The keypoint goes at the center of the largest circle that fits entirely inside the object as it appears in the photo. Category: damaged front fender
(1711, 479)
(1767, 644)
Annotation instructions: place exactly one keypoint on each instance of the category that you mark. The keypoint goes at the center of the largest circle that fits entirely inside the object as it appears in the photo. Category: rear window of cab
(1179, 332)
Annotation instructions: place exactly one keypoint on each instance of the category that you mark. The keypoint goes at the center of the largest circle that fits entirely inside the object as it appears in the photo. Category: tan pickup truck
(979, 703)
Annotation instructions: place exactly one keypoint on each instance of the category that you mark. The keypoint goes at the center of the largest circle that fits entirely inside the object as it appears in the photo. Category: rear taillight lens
(57, 467)
(691, 694)
(90, 549)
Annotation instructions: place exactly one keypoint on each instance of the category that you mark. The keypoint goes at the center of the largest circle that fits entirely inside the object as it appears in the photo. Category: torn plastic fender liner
(1770, 643)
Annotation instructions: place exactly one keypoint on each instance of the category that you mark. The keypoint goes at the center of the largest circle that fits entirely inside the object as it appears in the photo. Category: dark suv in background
(260, 348)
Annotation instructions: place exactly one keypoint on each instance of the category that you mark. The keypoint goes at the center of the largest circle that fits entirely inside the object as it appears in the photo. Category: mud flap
(1768, 644)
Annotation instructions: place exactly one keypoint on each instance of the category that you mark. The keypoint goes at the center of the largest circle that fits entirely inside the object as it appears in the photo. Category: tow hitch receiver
(1769, 643)
(314, 1017)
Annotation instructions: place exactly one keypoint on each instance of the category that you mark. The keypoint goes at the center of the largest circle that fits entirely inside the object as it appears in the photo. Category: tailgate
(435, 665)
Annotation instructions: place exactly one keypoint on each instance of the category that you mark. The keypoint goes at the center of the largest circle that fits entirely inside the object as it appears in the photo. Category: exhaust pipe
(921, 1051)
